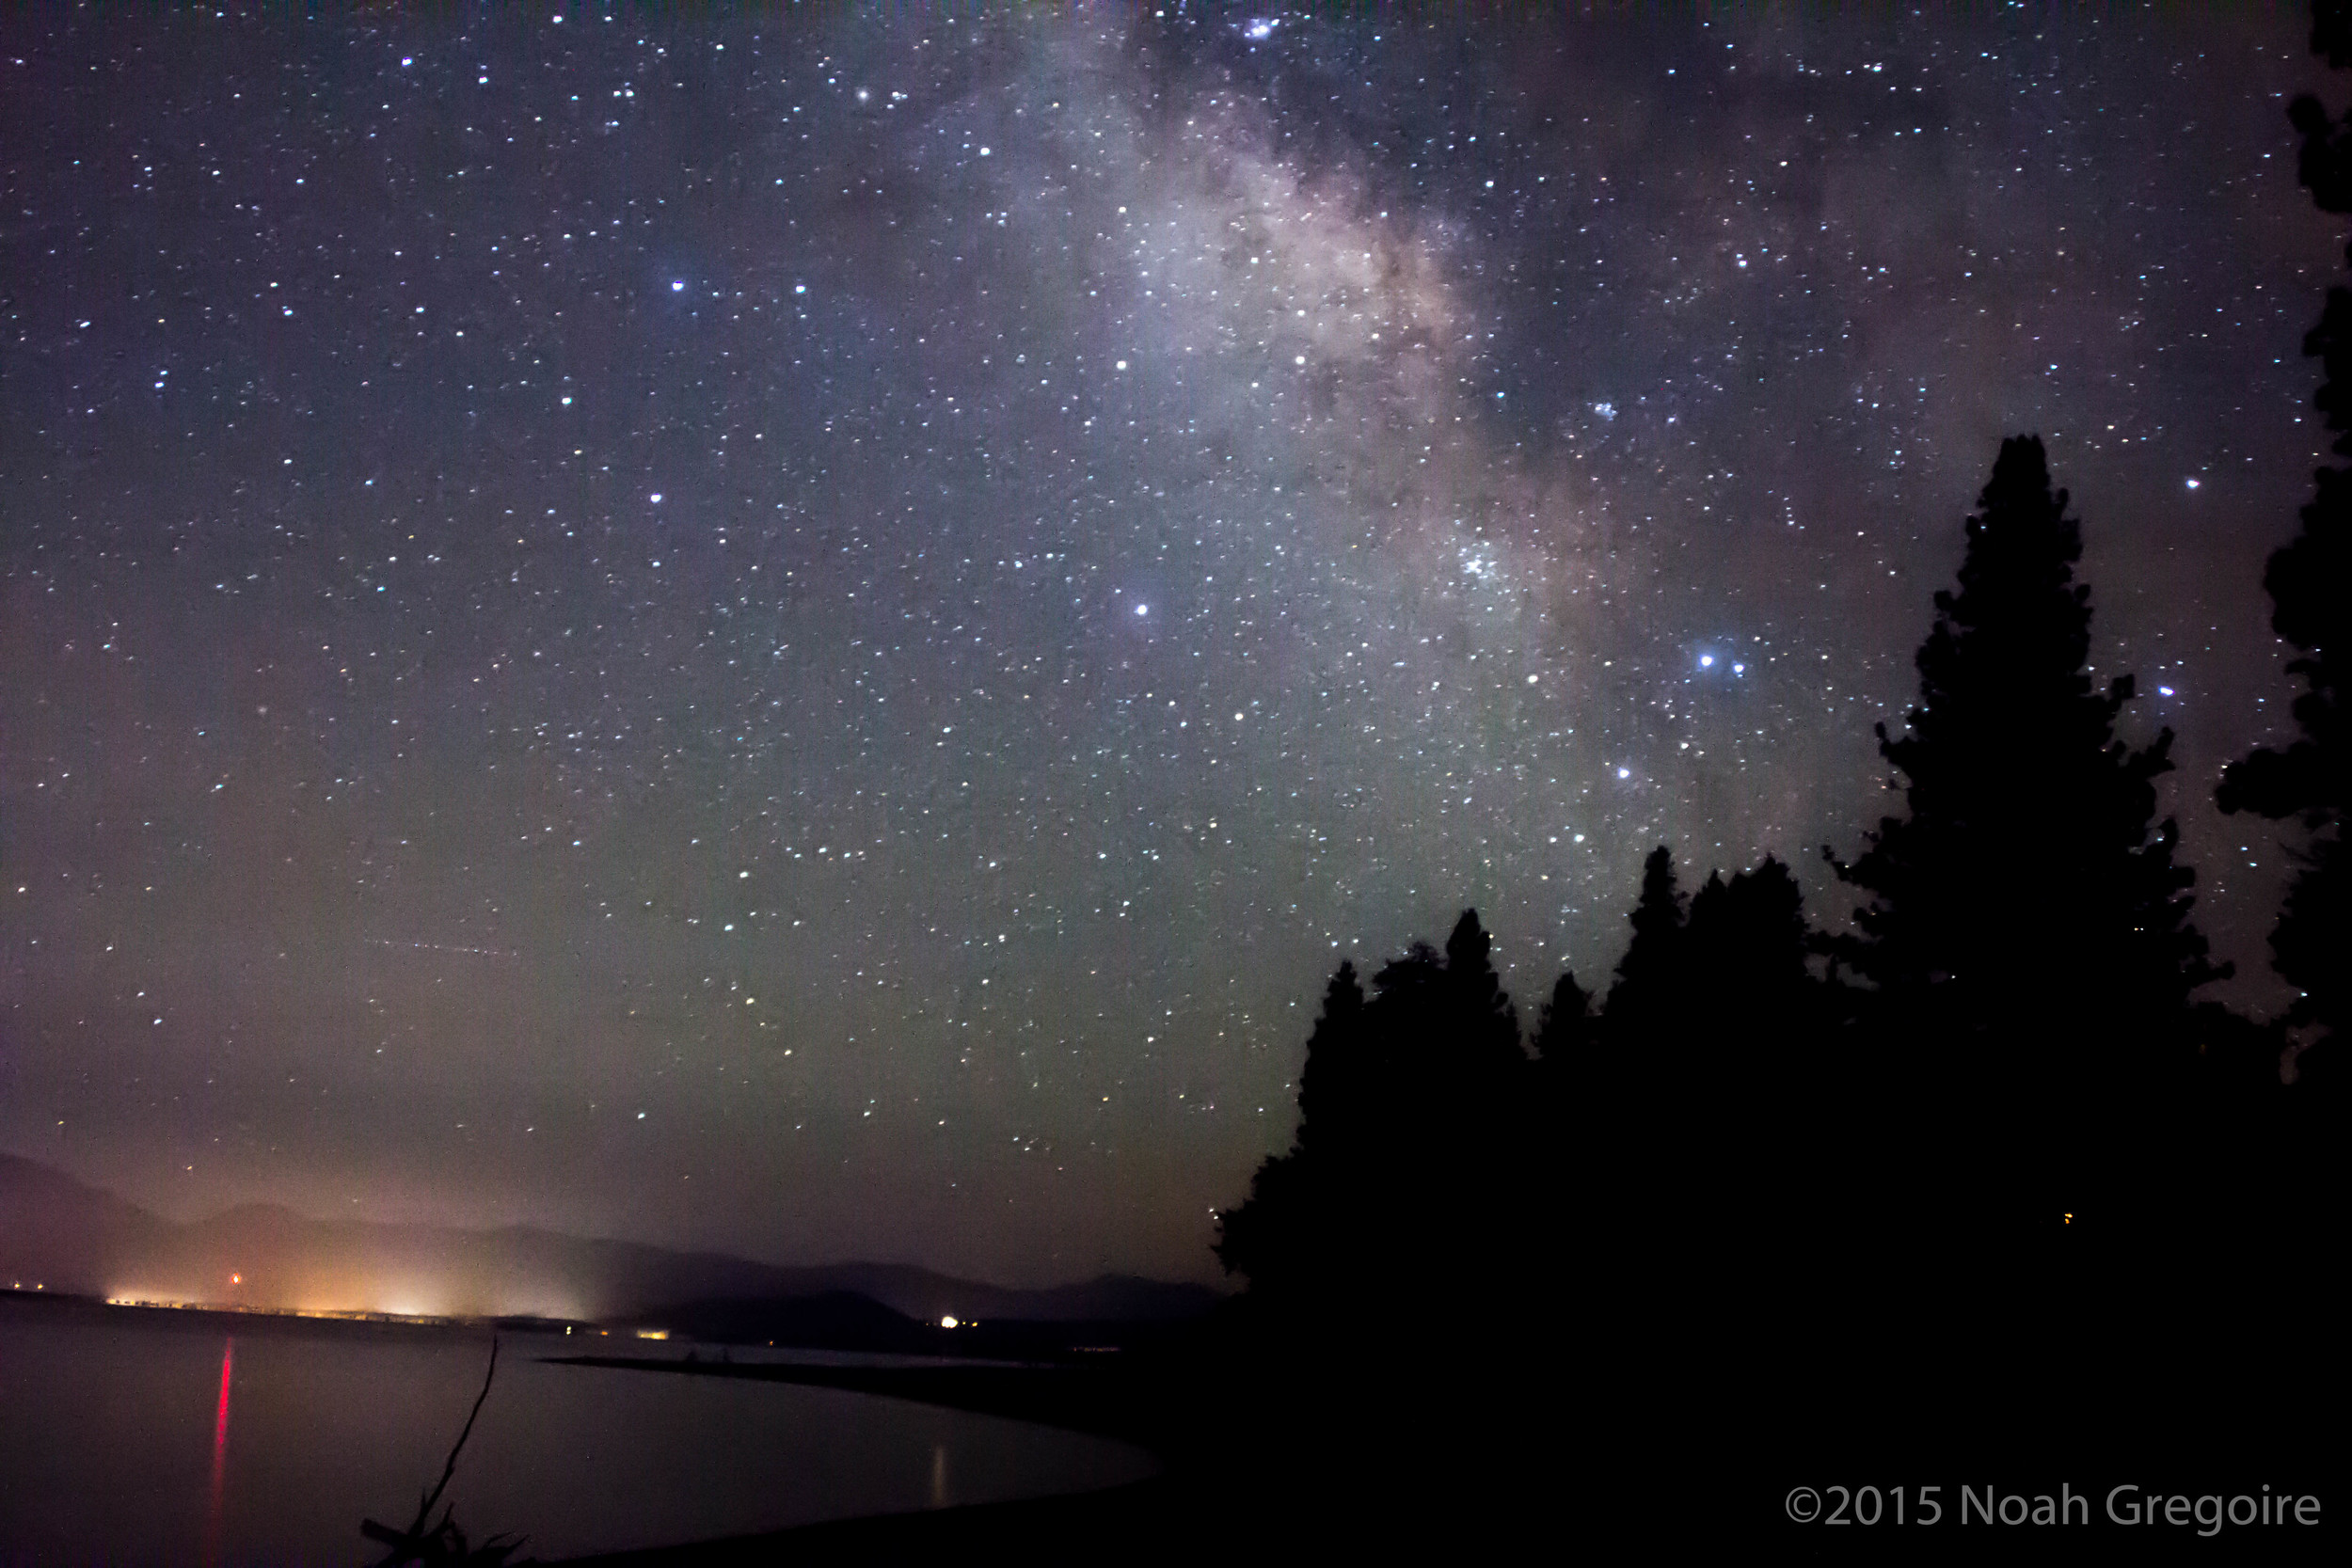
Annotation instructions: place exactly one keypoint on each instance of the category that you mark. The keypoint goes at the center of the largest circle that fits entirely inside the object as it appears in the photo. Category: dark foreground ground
(1794, 1441)
(1236, 1485)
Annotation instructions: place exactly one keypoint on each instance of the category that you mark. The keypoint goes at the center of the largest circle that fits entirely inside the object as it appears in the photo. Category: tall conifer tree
(1648, 992)
(1489, 1023)
(1563, 1030)
(1411, 1157)
(2027, 931)
(2309, 579)
(1288, 1237)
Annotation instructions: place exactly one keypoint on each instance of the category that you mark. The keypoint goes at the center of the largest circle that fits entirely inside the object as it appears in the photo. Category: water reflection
(218, 1492)
(103, 1459)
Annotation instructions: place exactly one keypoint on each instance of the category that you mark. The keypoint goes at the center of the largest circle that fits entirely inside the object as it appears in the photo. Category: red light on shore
(236, 1279)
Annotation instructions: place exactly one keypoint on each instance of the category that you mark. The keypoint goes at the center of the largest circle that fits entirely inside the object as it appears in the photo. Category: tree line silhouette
(1995, 1098)
(1975, 1167)
(2002, 1064)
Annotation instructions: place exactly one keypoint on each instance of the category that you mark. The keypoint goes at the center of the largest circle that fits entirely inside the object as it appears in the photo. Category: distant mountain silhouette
(57, 1232)
(62, 1233)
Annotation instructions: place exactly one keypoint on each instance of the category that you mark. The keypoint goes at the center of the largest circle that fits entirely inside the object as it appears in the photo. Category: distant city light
(947, 1322)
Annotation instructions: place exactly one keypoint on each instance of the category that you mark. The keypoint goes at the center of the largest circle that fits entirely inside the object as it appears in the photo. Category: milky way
(811, 636)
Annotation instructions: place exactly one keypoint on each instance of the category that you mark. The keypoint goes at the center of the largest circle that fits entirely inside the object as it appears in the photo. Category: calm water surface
(125, 1442)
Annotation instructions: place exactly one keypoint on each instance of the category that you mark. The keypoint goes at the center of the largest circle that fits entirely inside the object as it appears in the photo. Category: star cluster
(810, 635)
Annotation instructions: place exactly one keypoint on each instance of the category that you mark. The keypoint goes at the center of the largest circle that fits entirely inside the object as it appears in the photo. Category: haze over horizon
(809, 636)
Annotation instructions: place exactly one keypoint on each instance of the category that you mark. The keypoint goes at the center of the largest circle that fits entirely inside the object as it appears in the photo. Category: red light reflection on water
(221, 1458)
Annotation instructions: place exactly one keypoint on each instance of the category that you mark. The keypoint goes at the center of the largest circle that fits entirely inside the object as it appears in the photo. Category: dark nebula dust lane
(810, 635)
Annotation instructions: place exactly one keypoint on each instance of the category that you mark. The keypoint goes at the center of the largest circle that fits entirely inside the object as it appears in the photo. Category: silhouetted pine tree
(1621, 1108)
(1565, 1030)
(2310, 580)
(1751, 1005)
(2027, 931)
(1282, 1238)
(1565, 1110)
(1647, 994)
(1413, 1143)
(1497, 1126)
(1736, 1058)
(1331, 1084)
(1691, 1052)
(1489, 1046)
(1458, 1115)
(1751, 932)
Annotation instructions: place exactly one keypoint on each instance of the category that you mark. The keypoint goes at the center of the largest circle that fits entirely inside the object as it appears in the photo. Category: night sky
(811, 634)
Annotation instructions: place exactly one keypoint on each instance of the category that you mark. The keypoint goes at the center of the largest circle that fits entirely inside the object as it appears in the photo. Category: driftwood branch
(416, 1543)
(449, 1467)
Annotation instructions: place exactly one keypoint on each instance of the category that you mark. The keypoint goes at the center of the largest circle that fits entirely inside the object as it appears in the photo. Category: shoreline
(1165, 1509)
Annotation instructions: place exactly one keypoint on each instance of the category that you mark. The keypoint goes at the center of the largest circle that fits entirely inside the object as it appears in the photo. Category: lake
(130, 1439)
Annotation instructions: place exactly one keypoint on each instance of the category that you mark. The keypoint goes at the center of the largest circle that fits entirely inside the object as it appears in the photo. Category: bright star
(1707, 662)
(1143, 609)
(677, 285)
